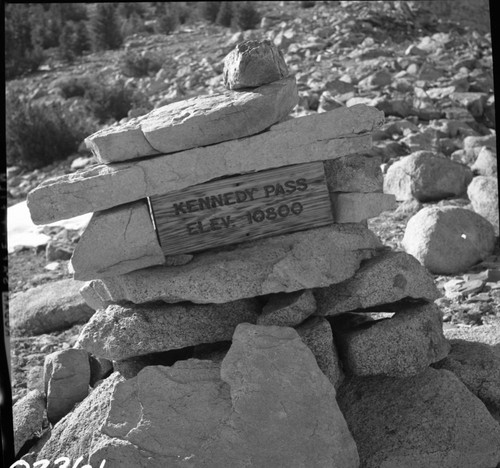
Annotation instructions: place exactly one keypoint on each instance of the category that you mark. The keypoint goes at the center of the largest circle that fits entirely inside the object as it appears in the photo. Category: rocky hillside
(427, 65)
(333, 48)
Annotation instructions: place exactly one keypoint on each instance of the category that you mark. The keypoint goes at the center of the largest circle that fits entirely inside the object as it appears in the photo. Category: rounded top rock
(253, 63)
(448, 240)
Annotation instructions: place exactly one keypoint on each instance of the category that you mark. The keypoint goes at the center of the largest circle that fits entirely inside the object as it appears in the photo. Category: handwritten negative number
(61, 462)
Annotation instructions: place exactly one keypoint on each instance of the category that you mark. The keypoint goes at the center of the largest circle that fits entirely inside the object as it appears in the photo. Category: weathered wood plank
(242, 208)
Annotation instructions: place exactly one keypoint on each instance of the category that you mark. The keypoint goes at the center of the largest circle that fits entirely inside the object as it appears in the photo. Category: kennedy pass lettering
(241, 208)
(252, 194)
(238, 196)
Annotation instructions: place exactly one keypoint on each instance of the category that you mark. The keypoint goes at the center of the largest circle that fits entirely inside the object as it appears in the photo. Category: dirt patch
(27, 270)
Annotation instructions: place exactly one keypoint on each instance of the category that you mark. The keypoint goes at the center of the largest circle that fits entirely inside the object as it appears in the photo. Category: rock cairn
(302, 344)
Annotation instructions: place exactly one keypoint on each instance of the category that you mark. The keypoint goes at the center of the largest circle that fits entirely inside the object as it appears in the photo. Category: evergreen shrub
(112, 100)
(73, 41)
(72, 86)
(136, 65)
(39, 134)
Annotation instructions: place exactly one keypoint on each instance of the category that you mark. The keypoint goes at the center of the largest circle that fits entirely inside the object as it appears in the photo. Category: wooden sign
(242, 208)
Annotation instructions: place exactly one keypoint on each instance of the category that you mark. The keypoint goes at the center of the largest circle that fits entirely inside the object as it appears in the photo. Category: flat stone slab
(122, 332)
(354, 173)
(428, 420)
(49, 307)
(357, 207)
(196, 122)
(306, 139)
(385, 279)
(287, 263)
(117, 241)
(400, 346)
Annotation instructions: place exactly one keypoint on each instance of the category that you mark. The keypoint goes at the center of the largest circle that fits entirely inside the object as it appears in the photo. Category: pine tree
(67, 41)
(21, 55)
(73, 40)
(105, 29)
(48, 22)
(45, 27)
(82, 38)
(225, 15)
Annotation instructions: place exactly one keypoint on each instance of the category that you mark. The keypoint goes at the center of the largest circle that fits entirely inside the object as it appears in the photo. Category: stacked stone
(269, 353)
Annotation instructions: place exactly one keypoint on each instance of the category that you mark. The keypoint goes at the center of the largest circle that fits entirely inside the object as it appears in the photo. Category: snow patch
(21, 232)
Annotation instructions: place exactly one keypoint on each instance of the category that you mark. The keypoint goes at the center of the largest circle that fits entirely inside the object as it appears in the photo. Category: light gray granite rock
(448, 240)
(122, 332)
(426, 177)
(49, 307)
(357, 207)
(316, 333)
(267, 404)
(253, 63)
(291, 262)
(28, 415)
(428, 420)
(117, 241)
(67, 378)
(354, 173)
(472, 141)
(74, 434)
(486, 163)
(477, 365)
(384, 279)
(483, 194)
(400, 346)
